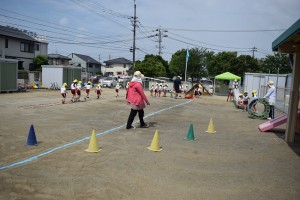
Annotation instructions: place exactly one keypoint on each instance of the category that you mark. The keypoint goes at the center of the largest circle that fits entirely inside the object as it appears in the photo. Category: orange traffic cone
(93, 146)
(210, 128)
(155, 143)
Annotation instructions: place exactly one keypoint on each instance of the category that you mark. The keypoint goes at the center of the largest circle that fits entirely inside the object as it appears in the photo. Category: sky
(103, 29)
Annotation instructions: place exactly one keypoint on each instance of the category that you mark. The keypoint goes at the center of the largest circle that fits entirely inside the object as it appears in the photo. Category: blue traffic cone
(31, 140)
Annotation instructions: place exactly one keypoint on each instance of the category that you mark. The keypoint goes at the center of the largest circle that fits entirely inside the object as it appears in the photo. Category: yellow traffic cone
(93, 146)
(155, 143)
(210, 128)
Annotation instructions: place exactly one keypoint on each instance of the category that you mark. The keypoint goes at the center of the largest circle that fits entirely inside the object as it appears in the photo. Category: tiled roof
(15, 33)
(118, 61)
(58, 56)
(87, 58)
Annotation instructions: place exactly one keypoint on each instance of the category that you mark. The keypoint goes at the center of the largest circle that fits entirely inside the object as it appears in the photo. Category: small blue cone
(31, 140)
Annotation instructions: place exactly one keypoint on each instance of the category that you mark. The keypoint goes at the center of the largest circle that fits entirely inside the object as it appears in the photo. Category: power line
(223, 31)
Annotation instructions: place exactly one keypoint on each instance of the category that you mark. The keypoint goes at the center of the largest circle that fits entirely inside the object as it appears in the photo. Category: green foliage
(273, 63)
(152, 66)
(40, 60)
(196, 66)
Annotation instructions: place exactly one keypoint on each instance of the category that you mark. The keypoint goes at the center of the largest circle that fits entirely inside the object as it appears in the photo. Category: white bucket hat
(138, 74)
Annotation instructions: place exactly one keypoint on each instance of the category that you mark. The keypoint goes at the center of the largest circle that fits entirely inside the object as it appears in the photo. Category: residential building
(89, 65)
(117, 67)
(57, 59)
(21, 45)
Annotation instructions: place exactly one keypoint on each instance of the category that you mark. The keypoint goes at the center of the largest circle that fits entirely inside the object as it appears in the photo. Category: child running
(245, 100)
(63, 92)
(87, 90)
(117, 88)
(98, 90)
(73, 90)
(254, 96)
(78, 90)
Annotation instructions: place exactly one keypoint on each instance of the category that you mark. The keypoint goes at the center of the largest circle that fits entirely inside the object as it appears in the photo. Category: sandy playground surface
(236, 162)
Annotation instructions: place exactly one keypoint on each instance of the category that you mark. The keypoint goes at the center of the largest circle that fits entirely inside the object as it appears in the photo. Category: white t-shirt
(63, 90)
(88, 87)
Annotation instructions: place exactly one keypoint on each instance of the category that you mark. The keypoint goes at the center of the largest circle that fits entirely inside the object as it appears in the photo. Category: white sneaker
(269, 118)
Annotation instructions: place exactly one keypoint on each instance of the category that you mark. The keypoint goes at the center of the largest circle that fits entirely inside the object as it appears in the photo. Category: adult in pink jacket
(136, 99)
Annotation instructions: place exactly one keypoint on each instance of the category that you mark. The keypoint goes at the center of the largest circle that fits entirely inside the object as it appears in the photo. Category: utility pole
(253, 50)
(134, 20)
(160, 35)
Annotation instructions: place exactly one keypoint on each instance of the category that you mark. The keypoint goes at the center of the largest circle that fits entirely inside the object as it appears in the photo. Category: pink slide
(274, 122)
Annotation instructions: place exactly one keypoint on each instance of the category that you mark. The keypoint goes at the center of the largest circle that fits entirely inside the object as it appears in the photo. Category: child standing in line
(117, 88)
(98, 90)
(245, 100)
(156, 89)
(78, 90)
(151, 90)
(63, 92)
(87, 90)
(73, 90)
(160, 88)
(165, 89)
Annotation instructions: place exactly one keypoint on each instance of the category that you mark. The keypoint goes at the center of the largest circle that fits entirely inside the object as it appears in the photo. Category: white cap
(138, 74)
(270, 83)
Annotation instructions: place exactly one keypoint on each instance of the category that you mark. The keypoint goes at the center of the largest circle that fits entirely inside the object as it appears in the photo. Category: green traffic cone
(190, 135)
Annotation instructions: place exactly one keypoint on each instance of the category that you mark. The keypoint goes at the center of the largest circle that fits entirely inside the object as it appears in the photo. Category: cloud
(63, 21)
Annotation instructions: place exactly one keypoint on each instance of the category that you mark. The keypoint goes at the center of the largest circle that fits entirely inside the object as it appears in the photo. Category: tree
(221, 63)
(196, 66)
(40, 60)
(273, 63)
(152, 66)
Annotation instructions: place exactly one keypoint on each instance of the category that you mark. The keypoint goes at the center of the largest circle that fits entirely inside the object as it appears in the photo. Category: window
(6, 43)
(37, 47)
(124, 65)
(27, 47)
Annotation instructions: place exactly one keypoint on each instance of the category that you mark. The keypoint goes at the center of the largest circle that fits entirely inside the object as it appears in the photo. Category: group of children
(244, 99)
(76, 88)
(157, 89)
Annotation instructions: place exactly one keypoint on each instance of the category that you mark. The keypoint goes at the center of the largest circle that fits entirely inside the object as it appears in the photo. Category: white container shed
(258, 82)
(53, 76)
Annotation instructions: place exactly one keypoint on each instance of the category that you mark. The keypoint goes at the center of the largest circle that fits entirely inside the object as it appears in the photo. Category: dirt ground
(237, 162)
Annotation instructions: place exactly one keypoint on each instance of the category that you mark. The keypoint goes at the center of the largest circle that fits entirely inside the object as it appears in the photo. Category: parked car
(208, 84)
(110, 81)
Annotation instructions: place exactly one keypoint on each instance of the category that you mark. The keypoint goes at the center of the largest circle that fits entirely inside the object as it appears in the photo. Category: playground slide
(274, 123)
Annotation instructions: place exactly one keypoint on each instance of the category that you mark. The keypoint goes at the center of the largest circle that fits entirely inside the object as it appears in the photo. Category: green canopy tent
(225, 76)
(228, 76)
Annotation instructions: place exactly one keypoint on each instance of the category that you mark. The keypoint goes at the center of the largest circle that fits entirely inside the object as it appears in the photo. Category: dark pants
(272, 112)
(132, 116)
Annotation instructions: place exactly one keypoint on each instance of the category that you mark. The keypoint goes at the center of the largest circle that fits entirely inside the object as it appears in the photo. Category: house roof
(58, 56)
(15, 33)
(289, 41)
(87, 58)
(118, 61)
